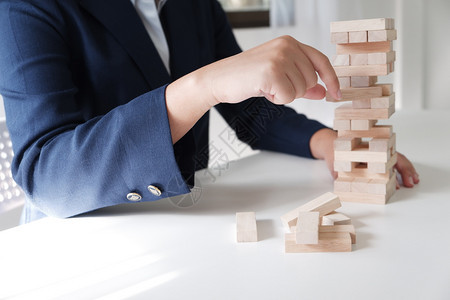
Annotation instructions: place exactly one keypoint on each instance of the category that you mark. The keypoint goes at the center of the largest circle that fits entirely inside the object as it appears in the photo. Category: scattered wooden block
(341, 60)
(365, 70)
(387, 88)
(246, 227)
(362, 124)
(341, 124)
(363, 81)
(377, 131)
(358, 25)
(323, 204)
(346, 112)
(359, 59)
(383, 102)
(364, 103)
(382, 167)
(357, 37)
(349, 228)
(382, 35)
(356, 48)
(336, 218)
(349, 94)
(346, 143)
(344, 82)
(342, 184)
(380, 58)
(307, 230)
(328, 242)
(339, 37)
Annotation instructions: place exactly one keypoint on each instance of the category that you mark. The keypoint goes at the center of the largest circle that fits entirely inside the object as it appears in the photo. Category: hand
(281, 70)
(407, 171)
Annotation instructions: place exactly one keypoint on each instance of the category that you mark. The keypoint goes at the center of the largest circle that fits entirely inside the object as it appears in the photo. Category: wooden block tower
(364, 151)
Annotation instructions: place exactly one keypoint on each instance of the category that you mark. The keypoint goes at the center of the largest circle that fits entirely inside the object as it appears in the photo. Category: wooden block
(360, 185)
(307, 230)
(382, 35)
(380, 186)
(341, 125)
(362, 154)
(361, 170)
(355, 48)
(383, 102)
(360, 59)
(344, 166)
(343, 184)
(344, 82)
(346, 112)
(381, 144)
(358, 25)
(336, 218)
(391, 67)
(341, 60)
(380, 58)
(362, 124)
(349, 94)
(379, 131)
(339, 37)
(328, 242)
(246, 227)
(363, 81)
(382, 167)
(365, 70)
(363, 198)
(364, 103)
(346, 143)
(340, 228)
(357, 37)
(323, 204)
(387, 88)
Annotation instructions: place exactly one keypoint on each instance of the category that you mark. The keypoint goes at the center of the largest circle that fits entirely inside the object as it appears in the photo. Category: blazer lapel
(122, 20)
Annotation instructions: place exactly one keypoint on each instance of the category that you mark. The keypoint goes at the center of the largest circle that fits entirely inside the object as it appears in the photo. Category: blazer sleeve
(257, 121)
(68, 165)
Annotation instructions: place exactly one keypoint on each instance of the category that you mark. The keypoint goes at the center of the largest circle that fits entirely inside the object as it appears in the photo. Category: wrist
(322, 143)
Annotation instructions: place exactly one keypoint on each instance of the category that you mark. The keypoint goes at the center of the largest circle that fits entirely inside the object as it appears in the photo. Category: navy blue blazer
(83, 89)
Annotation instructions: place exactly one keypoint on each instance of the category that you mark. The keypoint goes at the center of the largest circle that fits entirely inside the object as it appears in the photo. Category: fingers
(323, 66)
(315, 93)
(407, 171)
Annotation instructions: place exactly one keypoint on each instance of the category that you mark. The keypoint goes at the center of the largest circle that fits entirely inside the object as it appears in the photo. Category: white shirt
(148, 11)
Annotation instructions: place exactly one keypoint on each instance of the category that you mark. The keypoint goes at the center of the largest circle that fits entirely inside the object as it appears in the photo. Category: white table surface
(160, 251)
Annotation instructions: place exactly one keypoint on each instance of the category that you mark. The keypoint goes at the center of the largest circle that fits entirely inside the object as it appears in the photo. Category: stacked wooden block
(316, 227)
(364, 151)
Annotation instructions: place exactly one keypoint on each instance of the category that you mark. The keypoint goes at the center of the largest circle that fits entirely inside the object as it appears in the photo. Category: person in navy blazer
(87, 96)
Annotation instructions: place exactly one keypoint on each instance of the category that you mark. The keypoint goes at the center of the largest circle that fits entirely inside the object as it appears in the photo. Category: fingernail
(339, 94)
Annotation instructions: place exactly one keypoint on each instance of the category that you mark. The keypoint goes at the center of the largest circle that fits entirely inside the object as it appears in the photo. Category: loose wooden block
(357, 37)
(307, 230)
(323, 204)
(339, 37)
(387, 88)
(328, 242)
(346, 143)
(382, 35)
(365, 24)
(359, 59)
(344, 166)
(341, 125)
(343, 184)
(349, 94)
(355, 48)
(336, 218)
(364, 103)
(380, 58)
(365, 70)
(382, 144)
(345, 112)
(246, 227)
(341, 60)
(383, 102)
(362, 124)
(344, 82)
(363, 81)
(340, 228)
(360, 185)
(379, 131)
(382, 167)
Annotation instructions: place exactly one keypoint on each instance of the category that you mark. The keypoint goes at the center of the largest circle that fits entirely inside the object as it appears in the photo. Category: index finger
(324, 68)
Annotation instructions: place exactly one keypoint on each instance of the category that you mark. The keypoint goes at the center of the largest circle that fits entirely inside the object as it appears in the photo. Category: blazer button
(134, 197)
(154, 190)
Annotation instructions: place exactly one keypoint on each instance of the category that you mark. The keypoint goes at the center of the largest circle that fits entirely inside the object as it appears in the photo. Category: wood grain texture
(246, 230)
(328, 242)
(364, 24)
